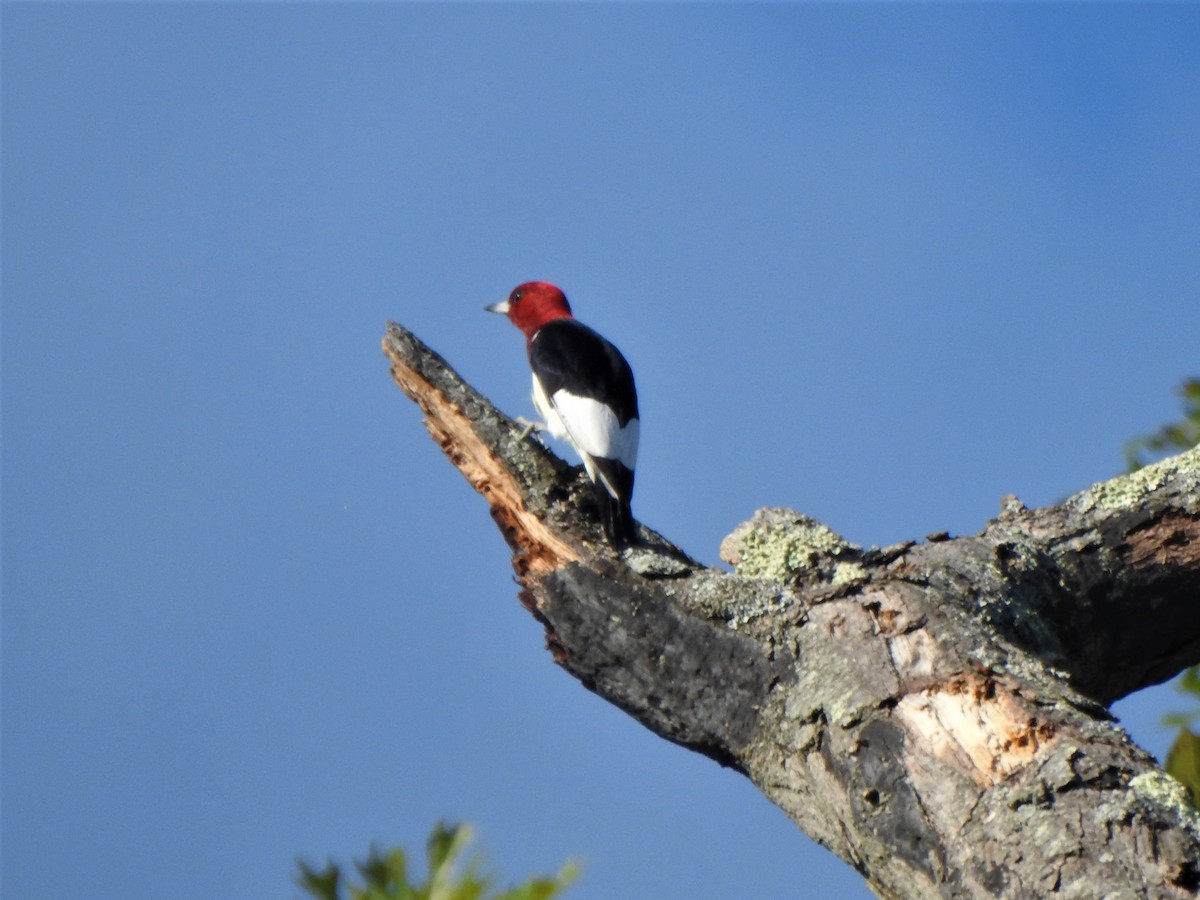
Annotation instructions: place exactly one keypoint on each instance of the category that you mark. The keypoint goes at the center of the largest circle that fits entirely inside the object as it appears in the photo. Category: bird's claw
(528, 427)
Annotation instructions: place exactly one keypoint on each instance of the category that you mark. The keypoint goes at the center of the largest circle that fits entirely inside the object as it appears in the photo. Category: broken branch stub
(927, 711)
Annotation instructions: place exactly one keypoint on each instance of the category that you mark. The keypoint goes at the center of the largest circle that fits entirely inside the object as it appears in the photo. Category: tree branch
(933, 713)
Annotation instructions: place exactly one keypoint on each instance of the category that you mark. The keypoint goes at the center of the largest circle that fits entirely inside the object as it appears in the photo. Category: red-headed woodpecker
(583, 388)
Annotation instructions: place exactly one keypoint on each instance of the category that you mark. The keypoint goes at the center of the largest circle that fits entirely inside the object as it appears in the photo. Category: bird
(584, 391)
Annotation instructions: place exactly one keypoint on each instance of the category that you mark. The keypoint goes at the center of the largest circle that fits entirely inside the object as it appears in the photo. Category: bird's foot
(528, 427)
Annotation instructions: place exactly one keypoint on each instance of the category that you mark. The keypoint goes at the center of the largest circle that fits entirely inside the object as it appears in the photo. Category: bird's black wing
(566, 354)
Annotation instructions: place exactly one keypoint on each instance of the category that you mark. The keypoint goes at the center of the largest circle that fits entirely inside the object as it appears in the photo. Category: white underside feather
(590, 427)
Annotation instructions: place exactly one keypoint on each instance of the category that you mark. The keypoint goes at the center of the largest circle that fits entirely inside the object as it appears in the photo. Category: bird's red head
(532, 304)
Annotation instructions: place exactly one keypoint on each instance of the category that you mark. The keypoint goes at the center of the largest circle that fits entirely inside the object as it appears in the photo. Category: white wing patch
(590, 427)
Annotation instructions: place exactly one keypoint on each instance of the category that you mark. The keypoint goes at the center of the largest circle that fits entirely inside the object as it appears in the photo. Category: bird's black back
(565, 353)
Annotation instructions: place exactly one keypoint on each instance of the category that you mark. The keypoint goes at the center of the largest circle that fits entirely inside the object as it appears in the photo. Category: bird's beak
(501, 307)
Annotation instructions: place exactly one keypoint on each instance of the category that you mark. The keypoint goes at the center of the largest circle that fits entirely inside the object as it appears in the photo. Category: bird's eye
(517, 296)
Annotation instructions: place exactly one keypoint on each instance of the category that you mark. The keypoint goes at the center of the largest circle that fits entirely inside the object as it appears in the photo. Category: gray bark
(934, 713)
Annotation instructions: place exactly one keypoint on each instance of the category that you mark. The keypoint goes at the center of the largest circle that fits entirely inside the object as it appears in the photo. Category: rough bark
(934, 712)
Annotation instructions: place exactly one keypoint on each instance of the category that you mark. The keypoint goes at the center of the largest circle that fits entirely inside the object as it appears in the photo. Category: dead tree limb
(934, 713)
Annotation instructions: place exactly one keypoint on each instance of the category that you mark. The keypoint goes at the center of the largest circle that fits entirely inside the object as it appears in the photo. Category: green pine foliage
(1183, 759)
(1181, 435)
(384, 875)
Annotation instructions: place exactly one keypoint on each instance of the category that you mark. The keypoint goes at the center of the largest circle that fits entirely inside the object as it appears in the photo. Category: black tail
(617, 518)
(615, 512)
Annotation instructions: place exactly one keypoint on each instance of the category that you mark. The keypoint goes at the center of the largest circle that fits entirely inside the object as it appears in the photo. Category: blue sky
(883, 264)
